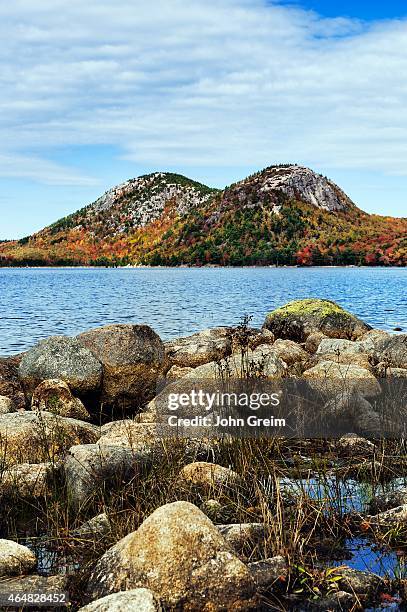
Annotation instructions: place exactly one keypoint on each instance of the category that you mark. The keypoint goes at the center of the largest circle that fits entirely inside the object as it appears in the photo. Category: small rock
(338, 346)
(209, 474)
(389, 500)
(360, 583)
(200, 348)
(6, 404)
(243, 537)
(15, 558)
(44, 585)
(268, 572)
(351, 443)
(394, 516)
(55, 396)
(336, 602)
(212, 508)
(95, 527)
(393, 351)
(179, 554)
(313, 341)
(134, 600)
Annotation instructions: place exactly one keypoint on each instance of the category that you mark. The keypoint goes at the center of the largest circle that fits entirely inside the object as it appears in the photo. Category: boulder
(339, 346)
(141, 437)
(393, 351)
(10, 384)
(6, 404)
(330, 378)
(358, 582)
(244, 537)
(392, 517)
(26, 480)
(90, 468)
(313, 341)
(269, 573)
(389, 500)
(15, 559)
(96, 527)
(133, 359)
(373, 340)
(206, 474)
(179, 554)
(134, 600)
(261, 362)
(55, 396)
(62, 358)
(30, 437)
(356, 411)
(290, 352)
(300, 318)
(352, 443)
(202, 347)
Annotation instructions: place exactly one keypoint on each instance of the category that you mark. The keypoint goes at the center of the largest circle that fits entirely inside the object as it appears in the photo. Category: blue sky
(96, 92)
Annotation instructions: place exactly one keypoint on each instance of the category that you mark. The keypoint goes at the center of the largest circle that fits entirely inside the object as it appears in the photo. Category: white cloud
(188, 82)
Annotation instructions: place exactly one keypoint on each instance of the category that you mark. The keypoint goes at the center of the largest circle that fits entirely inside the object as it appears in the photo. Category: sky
(94, 93)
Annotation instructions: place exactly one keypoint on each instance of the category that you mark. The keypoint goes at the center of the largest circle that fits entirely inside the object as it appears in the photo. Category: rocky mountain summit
(282, 215)
(303, 184)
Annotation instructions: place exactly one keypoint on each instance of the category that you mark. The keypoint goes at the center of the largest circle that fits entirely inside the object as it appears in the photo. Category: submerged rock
(15, 558)
(134, 600)
(180, 555)
(62, 358)
(133, 359)
(298, 319)
(55, 396)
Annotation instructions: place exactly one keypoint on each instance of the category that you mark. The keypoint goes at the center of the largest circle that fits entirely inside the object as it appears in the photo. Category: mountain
(282, 215)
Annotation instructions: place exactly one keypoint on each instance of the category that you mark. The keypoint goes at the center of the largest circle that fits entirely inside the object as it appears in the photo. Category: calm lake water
(36, 303)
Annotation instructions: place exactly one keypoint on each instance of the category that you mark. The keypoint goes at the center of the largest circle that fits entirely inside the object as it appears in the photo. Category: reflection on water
(36, 303)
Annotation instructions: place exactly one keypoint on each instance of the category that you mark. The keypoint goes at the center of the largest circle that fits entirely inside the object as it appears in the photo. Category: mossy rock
(300, 318)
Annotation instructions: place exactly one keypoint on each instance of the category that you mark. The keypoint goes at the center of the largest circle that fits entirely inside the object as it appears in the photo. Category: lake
(36, 303)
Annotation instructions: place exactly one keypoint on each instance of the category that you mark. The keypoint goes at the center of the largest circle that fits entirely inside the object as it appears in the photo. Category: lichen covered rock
(298, 319)
(15, 558)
